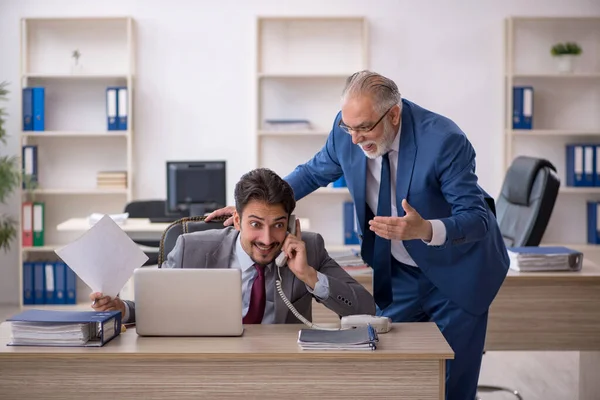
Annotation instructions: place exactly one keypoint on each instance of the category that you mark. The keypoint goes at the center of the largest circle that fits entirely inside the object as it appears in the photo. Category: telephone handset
(282, 258)
(280, 261)
(381, 324)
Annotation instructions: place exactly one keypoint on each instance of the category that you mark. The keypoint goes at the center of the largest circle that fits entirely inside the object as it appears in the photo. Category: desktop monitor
(195, 187)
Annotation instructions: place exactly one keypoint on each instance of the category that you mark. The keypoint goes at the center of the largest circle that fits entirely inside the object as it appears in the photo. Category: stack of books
(111, 180)
(361, 338)
(544, 258)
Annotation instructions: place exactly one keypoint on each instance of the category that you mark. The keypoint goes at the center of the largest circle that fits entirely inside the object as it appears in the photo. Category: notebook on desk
(361, 338)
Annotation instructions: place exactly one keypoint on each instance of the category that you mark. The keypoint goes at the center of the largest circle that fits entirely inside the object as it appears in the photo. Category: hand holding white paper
(104, 257)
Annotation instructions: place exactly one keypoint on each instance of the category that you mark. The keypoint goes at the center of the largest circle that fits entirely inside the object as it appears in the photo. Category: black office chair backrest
(146, 209)
(181, 226)
(526, 201)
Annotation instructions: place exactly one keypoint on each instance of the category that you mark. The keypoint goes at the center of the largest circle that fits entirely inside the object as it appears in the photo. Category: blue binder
(49, 283)
(580, 165)
(111, 108)
(593, 236)
(596, 165)
(522, 107)
(340, 183)
(60, 283)
(350, 236)
(39, 283)
(27, 109)
(29, 162)
(122, 111)
(105, 325)
(39, 108)
(70, 285)
(28, 283)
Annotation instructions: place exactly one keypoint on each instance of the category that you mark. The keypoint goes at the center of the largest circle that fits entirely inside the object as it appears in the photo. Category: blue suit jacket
(436, 174)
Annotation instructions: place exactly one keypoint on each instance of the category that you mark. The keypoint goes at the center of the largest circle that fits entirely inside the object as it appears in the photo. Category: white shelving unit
(302, 66)
(76, 143)
(566, 107)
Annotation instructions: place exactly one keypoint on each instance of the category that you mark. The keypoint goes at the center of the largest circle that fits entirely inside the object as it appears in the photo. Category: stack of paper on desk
(362, 338)
(544, 258)
(64, 328)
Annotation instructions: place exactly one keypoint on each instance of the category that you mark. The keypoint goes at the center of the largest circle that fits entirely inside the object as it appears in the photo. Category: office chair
(147, 209)
(185, 225)
(524, 208)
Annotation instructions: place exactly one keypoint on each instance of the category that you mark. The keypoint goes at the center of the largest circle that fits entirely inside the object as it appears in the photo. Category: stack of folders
(64, 328)
(544, 258)
(361, 338)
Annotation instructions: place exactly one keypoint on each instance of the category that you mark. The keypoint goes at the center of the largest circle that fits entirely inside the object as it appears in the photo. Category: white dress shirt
(372, 194)
(241, 260)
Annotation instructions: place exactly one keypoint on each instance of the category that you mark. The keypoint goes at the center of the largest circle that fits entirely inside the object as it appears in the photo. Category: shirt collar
(243, 258)
(396, 143)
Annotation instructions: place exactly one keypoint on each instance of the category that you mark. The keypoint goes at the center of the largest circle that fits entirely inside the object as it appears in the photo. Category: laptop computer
(188, 302)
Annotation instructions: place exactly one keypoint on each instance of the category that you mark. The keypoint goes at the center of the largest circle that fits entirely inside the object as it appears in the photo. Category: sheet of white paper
(104, 257)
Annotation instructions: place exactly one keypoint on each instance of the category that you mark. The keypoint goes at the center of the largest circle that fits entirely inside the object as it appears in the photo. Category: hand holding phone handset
(281, 261)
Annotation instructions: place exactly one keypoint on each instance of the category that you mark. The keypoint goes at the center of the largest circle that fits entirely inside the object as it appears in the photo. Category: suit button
(339, 297)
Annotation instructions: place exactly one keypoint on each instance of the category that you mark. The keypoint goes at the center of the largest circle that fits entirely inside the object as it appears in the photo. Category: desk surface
(131, 225)
(418, 341)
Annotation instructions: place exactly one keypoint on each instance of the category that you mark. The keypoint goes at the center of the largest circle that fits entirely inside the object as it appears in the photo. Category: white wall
(195, 93)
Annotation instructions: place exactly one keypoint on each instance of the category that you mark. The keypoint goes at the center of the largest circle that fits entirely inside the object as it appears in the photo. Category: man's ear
(237, 221)
(396, 114)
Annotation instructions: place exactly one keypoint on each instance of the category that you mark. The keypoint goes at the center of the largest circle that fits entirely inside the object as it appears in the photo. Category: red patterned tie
(258, 298)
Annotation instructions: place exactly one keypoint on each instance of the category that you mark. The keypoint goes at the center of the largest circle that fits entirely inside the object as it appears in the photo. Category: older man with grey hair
(426, 227)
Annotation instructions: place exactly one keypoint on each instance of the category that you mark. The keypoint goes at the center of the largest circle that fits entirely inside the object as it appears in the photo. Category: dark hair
(264, 185)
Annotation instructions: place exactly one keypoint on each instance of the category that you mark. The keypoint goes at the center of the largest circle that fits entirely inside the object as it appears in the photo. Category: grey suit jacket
(214, 249)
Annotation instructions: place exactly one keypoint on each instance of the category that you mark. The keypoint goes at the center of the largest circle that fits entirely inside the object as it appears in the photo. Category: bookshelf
(302, 66)
(565, 108)
(76, 144)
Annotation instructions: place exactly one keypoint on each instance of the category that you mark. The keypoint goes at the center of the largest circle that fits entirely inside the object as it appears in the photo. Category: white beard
(383, 145)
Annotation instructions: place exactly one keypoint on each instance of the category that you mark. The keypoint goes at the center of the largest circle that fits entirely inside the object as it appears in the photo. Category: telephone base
(380, 324)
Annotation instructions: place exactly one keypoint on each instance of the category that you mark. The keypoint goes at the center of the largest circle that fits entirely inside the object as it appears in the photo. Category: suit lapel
(219, 258)
(407, 153)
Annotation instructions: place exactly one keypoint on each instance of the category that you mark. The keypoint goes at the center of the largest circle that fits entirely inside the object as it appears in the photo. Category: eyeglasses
(347, 129)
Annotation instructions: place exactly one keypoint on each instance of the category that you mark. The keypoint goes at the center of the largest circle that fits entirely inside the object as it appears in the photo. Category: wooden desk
(265, 363)
(549, 311)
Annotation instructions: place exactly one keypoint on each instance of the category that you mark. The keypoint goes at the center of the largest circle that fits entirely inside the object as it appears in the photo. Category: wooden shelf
(580, 190)
(293, 133)
(41, 249)
(552, 132)
(92, 191)
(310, 75)
(557, 76)
(46, 134)
(74, 76)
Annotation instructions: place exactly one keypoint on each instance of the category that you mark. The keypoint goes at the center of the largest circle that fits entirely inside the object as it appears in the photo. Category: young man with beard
(427, 231)
(264, 203)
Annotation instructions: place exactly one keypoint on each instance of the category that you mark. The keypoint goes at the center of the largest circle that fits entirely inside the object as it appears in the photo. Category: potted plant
(565, 53)
(10, 174)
